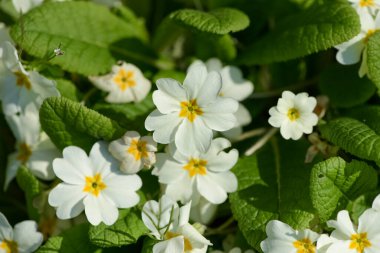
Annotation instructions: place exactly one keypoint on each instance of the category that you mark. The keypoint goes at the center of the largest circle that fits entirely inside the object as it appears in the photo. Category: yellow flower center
(359, 242)
(370, 32)
(366, 3)
(188, 246)
(138, 149)
(190, 110)
(94, 185)
(304, 246)
(293, 114)
(9, 246)
(124, 79)
(24, 152)
(22, 80)
(196, 166)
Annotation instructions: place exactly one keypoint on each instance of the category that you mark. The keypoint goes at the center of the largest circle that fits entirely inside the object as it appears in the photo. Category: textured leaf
(334, 183)
(70, 123)
(74, 240)
(127, 230)
(31, 187)
(223, 47)
(315, 29)
(148, 245)
(218, 21)
(87, 47)
(373, 58)
(344, 87)
(369, 115)
(354, 137)
(272, 186)
(68, 90)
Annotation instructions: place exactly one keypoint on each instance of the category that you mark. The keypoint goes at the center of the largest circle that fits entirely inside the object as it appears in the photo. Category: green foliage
(222, 47)
(354, 137)
(218, 21)
(127, 230)
(87, 47)
(70, 123)
(369, 115)
(344, 87)
(312, 30)
(73, 240)
(68, 90)
(373, 58)
(272, 186)
(335, 183)
(148, 245)
(31, 187)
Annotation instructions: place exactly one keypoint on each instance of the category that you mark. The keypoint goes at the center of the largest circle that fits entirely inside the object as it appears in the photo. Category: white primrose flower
(234, 250)
(188, 177)
(24, 238)
(93, 184)
(351, 51)
(365, 6)
(365, 238)
(34, 149)
(24, 6)
(282, 238)
(203, 212)
(134, 152)
(187, 114)
(294, 115)
(18, 88)
(125, 84)
(169, 224)
(233, 86)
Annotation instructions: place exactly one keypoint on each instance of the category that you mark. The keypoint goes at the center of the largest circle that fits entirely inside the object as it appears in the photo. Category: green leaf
(312, 30)
(223, 47)
(87, 47)
(354, 137)
(272, 186)
(344, 87)
(373, 58)
(148, 245)
(73, 240)
(31, 187)
(68, 90)
(218, 21)
(335, 183)
(369, 115)
(70, 123)
(127, 230)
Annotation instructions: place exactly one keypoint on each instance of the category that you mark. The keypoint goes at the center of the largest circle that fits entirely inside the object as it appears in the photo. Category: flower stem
(261, 142)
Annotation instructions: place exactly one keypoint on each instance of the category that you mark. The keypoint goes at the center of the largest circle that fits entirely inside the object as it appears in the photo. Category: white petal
(42, 86)
(27, 237)
(67, 172)
(341, 247)
(196, 239)
(214, 64)
(68, 199)
(181, 190)
(226, 180)
(343, 226)
(195, 79)
(204, 212)
(323, 243)
(174, 245)
(164, 126)
(172, 88)
(376, 203)
(169, 170)
(210, 89)
(6, 231)
(234, 85)
(210, 190)
(100, 209)
(13, 165)
(223, 161)
(220, 116)
(165, 103)
(78, 159)
(351, 54)
(368, 223)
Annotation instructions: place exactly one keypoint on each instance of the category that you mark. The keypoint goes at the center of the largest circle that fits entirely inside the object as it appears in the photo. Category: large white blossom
(233, 86)
(282, 238)
(19, 88)
(187, 114)
(92, 183)
(364, 238)
(125, 84)
(34, 149)
(188, 177)
(23, 238)
(294, 115)
(169, 224)
(352, 51)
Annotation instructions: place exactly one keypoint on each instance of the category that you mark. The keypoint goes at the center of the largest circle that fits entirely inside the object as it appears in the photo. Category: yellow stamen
(24, 152)
(138, 149)
(188, 246)
(367, 3)
(124, 79)
(190, 110)
(293, 114)
(196, 166)
(359, 242)
(94, 185)
(9, 246)
(304, 246)
(22, 80)
(370, 32)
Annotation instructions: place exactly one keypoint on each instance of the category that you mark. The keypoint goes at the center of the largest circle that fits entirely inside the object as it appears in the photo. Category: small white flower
(34, 149)
(351, 51)
(203, 212)
(348, 238)
(294, 115)
(18, 88)
(188, 113)
(134, 152)
(24, 6)
(366, 6)
(92, 183)
(170, 225)
(125, 84)
(187, 177)
(233, 86)
(234, 250)
(282, 238)
(24, 238)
